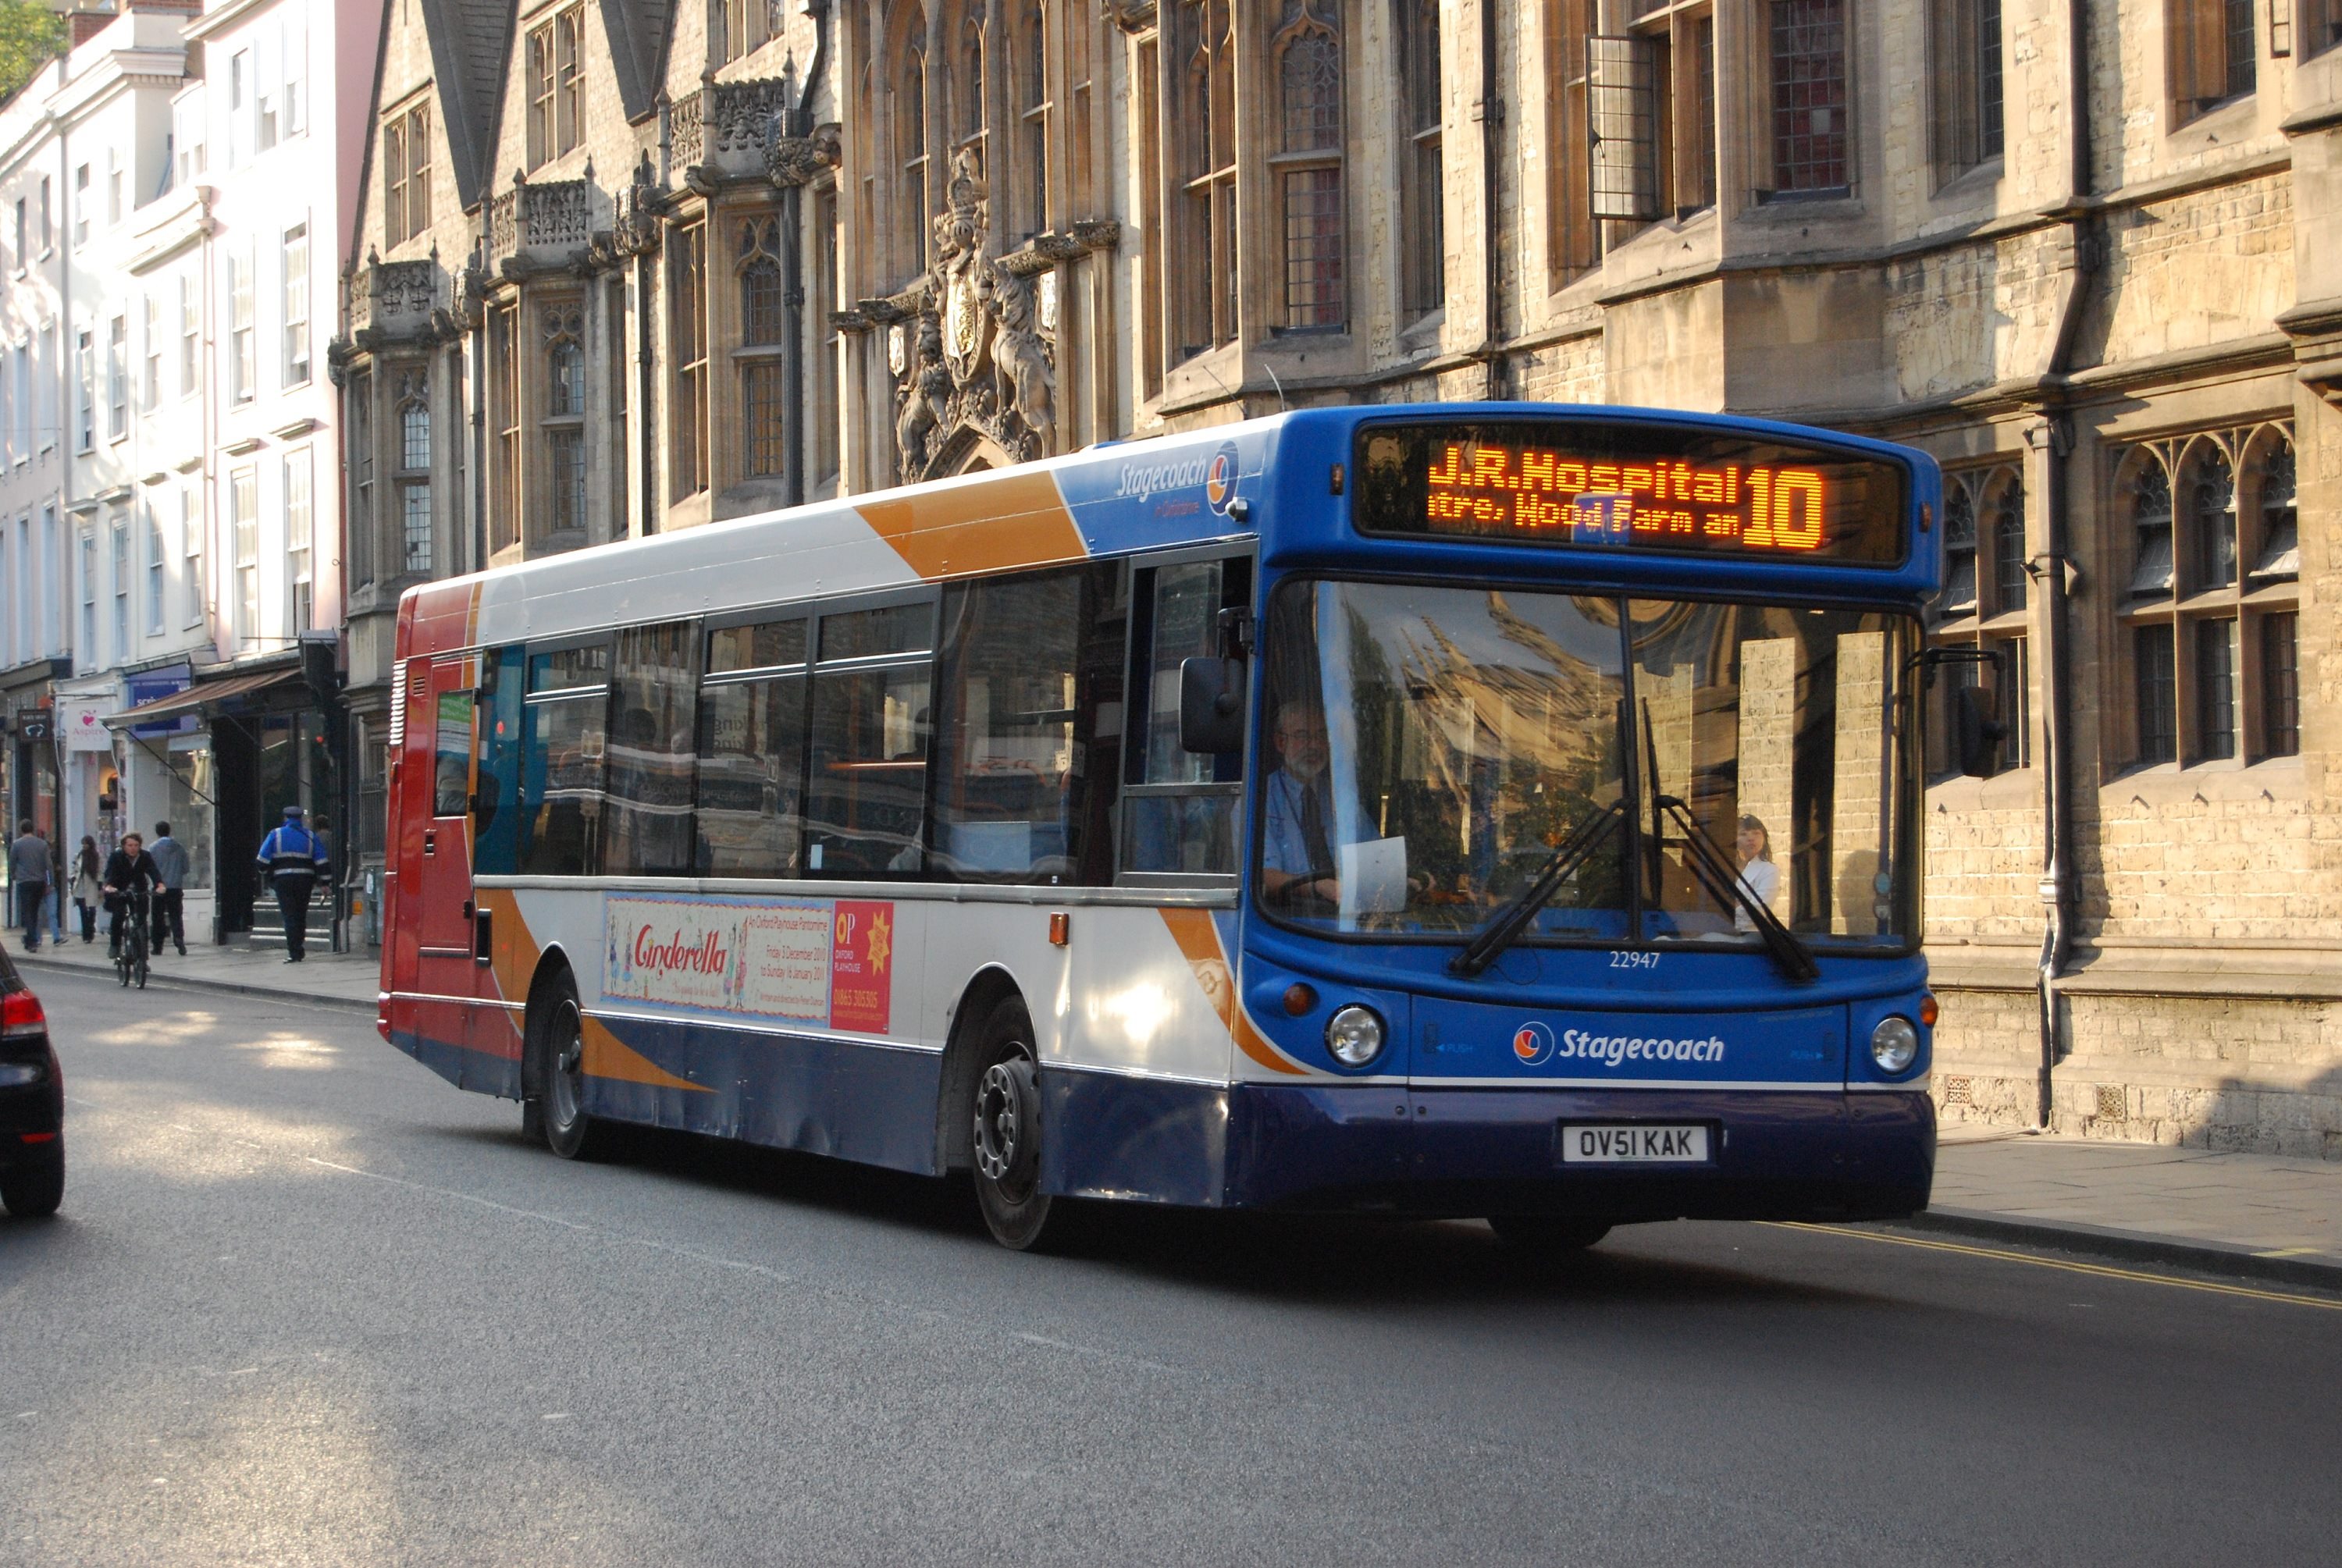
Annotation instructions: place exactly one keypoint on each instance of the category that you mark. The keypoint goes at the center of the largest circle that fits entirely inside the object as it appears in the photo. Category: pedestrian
(293, 860)
(128, 870)
(87, 890)
(28, 873)
(171, 865)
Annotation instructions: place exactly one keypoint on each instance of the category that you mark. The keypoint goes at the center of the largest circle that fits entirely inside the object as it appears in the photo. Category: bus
(1503, 810)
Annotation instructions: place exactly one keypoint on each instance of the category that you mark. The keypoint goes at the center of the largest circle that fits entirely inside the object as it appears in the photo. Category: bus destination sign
(1631, 486)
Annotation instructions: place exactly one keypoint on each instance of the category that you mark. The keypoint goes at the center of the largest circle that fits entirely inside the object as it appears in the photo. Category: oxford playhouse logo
(1535, 1043)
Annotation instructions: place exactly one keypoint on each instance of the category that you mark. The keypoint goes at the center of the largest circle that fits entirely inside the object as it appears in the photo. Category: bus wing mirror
(1211, 705)
(1978, 731)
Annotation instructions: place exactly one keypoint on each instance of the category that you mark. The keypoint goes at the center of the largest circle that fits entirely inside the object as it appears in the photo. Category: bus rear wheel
(1547, 1233)
(1003, 1112)
(559, 1077)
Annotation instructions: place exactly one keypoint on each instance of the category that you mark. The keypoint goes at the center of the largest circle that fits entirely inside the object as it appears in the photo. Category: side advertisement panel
(821, 962)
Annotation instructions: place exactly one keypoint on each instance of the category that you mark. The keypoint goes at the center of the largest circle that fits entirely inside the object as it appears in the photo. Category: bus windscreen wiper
(1790, 956)
(1505, 927)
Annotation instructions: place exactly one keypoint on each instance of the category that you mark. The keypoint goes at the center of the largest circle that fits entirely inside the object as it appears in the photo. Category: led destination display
(1629, 487)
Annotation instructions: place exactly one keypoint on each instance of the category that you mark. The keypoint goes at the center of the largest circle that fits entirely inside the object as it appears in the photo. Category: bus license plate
(1591, 1145)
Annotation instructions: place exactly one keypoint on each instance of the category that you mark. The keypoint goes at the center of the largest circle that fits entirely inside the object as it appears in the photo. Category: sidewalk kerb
(2232, 1258)
(364, 1006)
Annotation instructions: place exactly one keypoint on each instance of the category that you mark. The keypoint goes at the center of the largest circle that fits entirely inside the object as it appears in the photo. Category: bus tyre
(34, 1191)
(560, 1078)
(1005, 1112)
(1547, 1233)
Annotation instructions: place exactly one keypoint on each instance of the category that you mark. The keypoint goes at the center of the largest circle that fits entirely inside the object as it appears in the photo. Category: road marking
(2291, 1253)
(2102, 1270)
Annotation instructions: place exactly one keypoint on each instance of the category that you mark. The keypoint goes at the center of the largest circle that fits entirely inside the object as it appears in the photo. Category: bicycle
(130, 955)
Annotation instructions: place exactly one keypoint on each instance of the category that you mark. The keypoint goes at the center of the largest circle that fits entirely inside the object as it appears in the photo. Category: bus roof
(1266, 477)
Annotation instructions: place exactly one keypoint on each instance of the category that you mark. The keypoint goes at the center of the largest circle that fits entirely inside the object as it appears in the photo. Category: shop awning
(205, 696)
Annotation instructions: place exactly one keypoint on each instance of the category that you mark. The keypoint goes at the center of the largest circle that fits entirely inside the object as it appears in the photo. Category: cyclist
(130, 871)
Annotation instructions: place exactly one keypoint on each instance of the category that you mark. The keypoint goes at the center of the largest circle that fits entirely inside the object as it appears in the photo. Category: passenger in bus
(1296, 850)
(1759, 875)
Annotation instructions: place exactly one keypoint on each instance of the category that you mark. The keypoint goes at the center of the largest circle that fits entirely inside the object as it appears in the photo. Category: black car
(32, 1102)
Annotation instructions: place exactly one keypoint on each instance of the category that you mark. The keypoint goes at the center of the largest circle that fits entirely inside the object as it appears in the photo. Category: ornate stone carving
(1130, 15)
(684, 130)
(745, 113)
(557, 216)
(794, 160)
(978, 362)
(635, 222)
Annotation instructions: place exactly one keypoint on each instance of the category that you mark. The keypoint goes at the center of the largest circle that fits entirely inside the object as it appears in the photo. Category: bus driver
(1297, 854)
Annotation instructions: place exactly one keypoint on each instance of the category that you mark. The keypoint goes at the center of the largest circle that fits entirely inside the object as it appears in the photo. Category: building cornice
(221, 18)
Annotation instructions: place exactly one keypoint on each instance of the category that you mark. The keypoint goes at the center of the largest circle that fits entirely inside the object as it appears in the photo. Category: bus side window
(451, 793)
(1179, 809)
(1014, 771)
(497, 719)
(652, 752)
(866, 804)
(561, 765)
(751, 706)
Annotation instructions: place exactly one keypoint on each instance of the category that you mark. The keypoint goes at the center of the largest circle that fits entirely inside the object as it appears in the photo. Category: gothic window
(1200, 124)
(503, 408)
(763, 331)
(1809, 99)
(563, 420)
(1422, 207)
(688, 332)
(1964, 83)
(969, 126)
(412, 479)
(360, 401)
(406, 173)
(1033, 106)
(556, 86)
(2212, 53)
(911, 151)
(2214, 676)
(1308, 167)
(1983, 606)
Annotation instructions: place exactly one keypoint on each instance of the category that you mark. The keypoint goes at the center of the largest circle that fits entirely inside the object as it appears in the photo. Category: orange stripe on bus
(1199, 941)
(992, 524)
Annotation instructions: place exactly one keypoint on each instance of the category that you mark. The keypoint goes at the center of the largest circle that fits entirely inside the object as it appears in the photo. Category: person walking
(28, 873)
(171, 867)
(88, 891)
(292, 860)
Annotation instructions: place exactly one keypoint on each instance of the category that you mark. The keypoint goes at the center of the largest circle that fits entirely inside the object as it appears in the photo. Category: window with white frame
(85, 386)
(296, 87)
(300, 578)
(150, 333)
(241, 349)
(48, 217)
(117, 378)
(264, 73)
(239, 108)
(21, 399)
(44, 393)
(192, 531)
(81, 205)
(158, 573)
(296, 304)
(190, 327)
(118, 556)
(89, 647)
(114, 203)
(244, 529)
(187, 136)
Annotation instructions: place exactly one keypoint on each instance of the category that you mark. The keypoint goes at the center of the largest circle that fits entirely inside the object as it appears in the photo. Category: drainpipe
(799, 123)
(1491, 114)
(2057, 889)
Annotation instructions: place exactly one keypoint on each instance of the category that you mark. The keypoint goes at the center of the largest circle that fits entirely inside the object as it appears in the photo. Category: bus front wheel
(1547, 1233)
(1004, 1112)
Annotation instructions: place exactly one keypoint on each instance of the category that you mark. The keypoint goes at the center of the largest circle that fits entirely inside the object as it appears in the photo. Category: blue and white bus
(1484, 810)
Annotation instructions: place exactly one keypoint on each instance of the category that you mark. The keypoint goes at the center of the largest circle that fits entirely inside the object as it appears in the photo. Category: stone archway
(969, 450)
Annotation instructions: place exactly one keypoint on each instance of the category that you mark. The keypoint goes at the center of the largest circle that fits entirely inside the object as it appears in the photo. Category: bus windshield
(1428, 750)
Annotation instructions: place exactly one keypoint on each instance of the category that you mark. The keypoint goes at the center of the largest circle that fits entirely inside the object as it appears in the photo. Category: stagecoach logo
(1144, 480)
(1220, 479)
(1533, 1045)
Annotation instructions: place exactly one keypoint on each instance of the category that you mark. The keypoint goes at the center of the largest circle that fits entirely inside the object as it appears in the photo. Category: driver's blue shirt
(1283, 845)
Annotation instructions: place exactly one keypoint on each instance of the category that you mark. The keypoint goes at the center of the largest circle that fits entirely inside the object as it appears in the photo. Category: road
(307, 1303)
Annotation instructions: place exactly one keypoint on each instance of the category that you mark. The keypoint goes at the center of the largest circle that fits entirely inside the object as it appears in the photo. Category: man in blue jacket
(293, 860)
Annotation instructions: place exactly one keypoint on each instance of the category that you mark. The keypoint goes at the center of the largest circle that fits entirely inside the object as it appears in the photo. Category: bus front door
(437, 876)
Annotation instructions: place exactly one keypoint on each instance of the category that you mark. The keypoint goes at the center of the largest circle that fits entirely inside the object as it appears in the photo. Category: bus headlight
(1895, 1044)
(1354, 1035)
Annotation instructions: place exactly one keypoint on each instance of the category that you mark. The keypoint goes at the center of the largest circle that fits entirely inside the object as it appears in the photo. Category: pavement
(2251, 1215)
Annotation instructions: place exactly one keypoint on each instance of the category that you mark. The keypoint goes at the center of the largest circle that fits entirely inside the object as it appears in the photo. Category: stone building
(629, 267)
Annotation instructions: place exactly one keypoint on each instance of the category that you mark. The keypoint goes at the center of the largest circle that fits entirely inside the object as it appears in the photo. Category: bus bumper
(1773, 1156)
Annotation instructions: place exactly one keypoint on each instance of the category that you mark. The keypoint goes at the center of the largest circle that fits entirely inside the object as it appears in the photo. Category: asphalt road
(307, 1303)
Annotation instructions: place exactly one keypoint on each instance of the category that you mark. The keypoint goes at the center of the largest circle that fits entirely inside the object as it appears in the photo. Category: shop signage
(152, 685)
(82, 721)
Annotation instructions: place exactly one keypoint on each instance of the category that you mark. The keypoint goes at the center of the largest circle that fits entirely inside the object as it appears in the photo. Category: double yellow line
(2101, 1269)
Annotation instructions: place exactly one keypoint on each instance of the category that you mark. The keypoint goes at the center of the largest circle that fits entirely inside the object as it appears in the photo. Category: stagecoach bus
(1493, 810)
